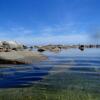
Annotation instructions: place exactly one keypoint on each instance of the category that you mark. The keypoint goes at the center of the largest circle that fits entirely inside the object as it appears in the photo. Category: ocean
(67, 75)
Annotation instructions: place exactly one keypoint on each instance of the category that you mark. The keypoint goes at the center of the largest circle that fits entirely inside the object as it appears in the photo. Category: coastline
(21, 57)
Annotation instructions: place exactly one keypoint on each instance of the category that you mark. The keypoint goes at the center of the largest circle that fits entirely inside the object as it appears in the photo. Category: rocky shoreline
(58, 48)
(13, 53)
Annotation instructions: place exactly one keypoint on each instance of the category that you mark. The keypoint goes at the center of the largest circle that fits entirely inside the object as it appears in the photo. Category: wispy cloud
(58, 34)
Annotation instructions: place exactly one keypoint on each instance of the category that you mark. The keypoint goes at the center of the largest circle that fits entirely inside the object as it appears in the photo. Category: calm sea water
(68, 69)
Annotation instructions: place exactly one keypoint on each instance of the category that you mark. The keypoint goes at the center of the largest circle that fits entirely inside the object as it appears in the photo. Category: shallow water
(69, 69)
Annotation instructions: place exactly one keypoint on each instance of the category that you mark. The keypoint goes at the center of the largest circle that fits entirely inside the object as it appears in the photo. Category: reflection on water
(71, 69)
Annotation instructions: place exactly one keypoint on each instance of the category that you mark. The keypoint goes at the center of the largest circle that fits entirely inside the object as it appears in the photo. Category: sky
(50, 21)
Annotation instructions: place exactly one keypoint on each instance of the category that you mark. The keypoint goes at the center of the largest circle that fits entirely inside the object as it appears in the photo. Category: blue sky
(50, 21)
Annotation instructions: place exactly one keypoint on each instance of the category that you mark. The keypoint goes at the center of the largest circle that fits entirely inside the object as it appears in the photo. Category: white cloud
(67, 34)
(56, 39)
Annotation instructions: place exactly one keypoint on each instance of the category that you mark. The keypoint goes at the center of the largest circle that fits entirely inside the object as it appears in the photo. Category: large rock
(21, 57)
(12, 45)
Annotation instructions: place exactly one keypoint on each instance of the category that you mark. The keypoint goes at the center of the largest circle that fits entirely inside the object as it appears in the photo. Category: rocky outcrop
(81, 47)
(57, 48)
(52, 48)
(14, 53)
(21, 57)
(10, 45)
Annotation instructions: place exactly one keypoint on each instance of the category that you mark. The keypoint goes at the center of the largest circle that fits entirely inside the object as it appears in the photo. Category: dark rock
(81, 47)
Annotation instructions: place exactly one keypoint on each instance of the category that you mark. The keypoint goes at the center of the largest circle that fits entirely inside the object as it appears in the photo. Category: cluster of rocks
(12, 52)
(7, 46)
(82, 47)
(52, 48)
(57, 48)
